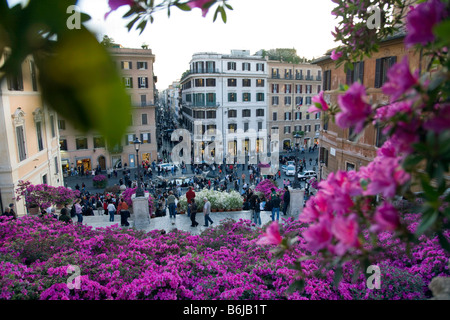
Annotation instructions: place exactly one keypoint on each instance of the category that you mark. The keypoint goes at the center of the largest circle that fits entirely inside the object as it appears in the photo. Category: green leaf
(223, 14)
(428, 219)
(79, 80)
(337, 276)
(183, 6)
(443, 242)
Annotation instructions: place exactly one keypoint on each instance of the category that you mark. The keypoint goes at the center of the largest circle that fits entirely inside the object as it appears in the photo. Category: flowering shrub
(225, 262)
(219, 200)
(100, 181)
(128, 193)
(43, 195)
(265, 188)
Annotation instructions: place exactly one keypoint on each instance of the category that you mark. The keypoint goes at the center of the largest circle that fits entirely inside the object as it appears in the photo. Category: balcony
(318, 78)
(309, 78)
(299, 77)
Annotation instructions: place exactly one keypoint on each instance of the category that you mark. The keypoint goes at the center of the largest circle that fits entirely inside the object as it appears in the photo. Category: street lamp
(296, 183)
(137, 145)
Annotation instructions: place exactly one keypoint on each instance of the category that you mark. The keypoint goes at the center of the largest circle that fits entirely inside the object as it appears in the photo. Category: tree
(107, 41)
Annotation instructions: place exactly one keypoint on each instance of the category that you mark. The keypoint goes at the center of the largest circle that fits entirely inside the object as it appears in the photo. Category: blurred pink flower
(116, 4)
(421, 20)
(440, 120)
(318, 99)
(345, 229)
(400, 80)
(272, 235)
(318, 236)
(386, 218)
(199, 4)
(354, 108)
(336, 55)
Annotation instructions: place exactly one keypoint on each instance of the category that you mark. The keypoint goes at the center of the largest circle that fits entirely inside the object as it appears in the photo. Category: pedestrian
(7, 212)
(190, 195)
(193, 208)
(65, 215)
(207, 211)
(286, 200)
(171, 204)
(275, 203)
(11, 209)
(257, 211)
(111, 210)
(79, 211)
(124, 213)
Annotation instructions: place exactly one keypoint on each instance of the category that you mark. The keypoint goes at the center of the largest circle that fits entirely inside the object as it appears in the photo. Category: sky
(304, 25)
(253, 25)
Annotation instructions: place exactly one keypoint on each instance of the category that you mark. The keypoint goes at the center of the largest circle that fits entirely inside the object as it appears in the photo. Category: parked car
(306, 175)
(290, 170)
(165, 166)
(285, 166)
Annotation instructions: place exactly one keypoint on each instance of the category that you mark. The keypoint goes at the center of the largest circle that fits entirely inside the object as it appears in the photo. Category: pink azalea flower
(440, 121)
(272, 235)
(318, 236)
(354, 108)
(320, 100)
(199, 4)
(116, 4)
(420, 22)
(336, 55)
(386, 218)
(345, 229)
(400, 80)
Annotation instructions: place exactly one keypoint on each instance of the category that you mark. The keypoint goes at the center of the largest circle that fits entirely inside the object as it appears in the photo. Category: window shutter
(348, 78)
(392, 61)
(361, 72)
(131, 65)
(378, 73)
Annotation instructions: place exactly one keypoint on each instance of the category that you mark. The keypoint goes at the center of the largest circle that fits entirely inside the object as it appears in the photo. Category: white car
(285, 166)
(290, 170)
(306, 175)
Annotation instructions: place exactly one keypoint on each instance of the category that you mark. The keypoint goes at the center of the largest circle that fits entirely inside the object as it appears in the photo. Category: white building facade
(228, 93)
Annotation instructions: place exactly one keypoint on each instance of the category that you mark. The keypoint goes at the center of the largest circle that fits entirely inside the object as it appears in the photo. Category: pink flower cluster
(225, 262)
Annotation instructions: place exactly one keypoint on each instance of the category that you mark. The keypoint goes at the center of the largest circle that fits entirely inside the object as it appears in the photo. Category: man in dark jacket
(275, 201)
(286, 200)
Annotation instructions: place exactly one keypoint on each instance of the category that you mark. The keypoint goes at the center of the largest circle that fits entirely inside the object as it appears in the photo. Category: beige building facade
(29, 138)
(90, 151)
(289, 95)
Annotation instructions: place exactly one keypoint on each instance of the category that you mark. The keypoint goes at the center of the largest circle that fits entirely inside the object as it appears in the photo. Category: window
(287, 129)
(210, 66)
(20, 136)
(275, 88)
(246, 97)
(62, 124)
(211, 99)
(142, 65)
(287, 88)
(199, 99)
(357, 74)
(260, 96)
(260, 112)
(246, 66)
(317, 127)
(317, 115)
(211, 82)
(308, 88)
(232, 127)
(15, 82)
(274, 116)
(297, 128)
(260, 67)
(318, 88)
(211, 114)
(126, 65)
(298, 101)
(144, 119)
(199, 114)
(275, 100)
(143, 100)
(380, 138)
(44, 179)
(298, 88)
(308, 128)
(128, 82)
(245, 126)
(52, 125)
(287, 100)
(143, 82)
(298, 115)
(81, 143)
(307, 116)
(260, 125)
(350, 166)
(231, 65)
(39, 135)
(33, 75)
(287, 73)
(287, 116)
(246, 82)
(56, 165)
(381, 67)
(99, 142)
(145, 137)
(232, 113)
(199, 82)
(275, 73)
(246, 113)
(260, 82)
(308, 101)
(232, 82)
(63, 144)
(326, 80)
(232, 97)
(298, 74)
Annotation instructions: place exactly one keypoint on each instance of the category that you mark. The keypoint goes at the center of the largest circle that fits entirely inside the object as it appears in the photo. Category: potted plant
(37, 197)
(100, 181)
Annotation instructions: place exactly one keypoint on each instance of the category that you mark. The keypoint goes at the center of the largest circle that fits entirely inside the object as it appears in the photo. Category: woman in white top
(112, 210)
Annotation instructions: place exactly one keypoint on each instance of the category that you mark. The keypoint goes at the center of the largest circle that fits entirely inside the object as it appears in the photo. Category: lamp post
(137, 145)
(296, 183)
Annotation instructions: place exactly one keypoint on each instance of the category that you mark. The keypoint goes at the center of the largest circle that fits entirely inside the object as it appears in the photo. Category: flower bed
(224, 201)
(100, 181)
(225, 262)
